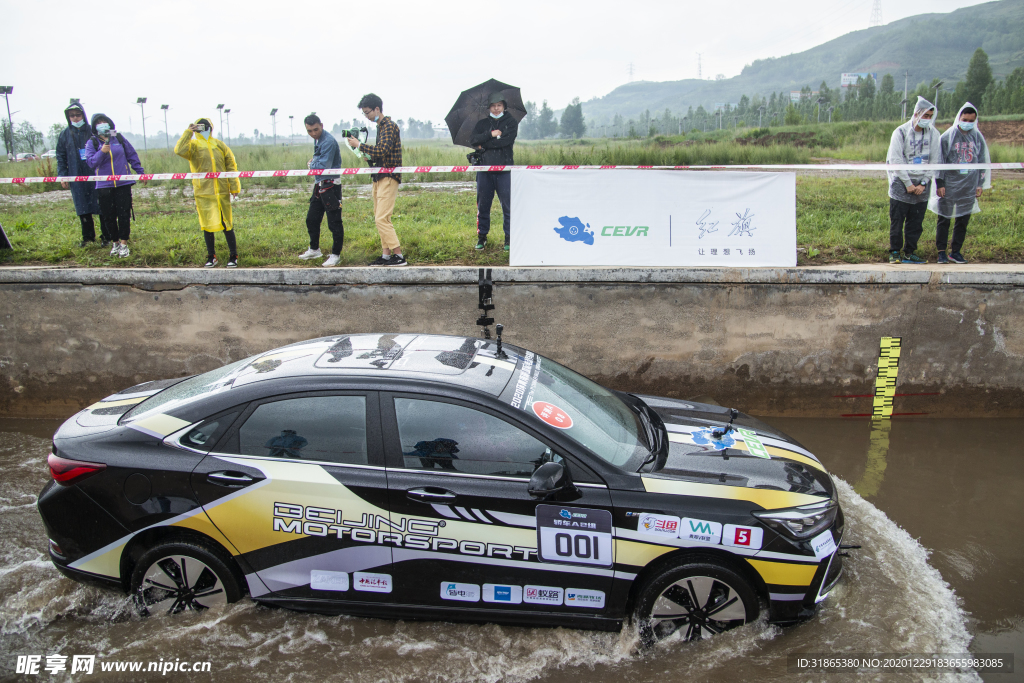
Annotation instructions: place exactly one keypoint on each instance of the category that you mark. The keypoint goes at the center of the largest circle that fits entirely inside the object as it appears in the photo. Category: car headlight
(801, 523)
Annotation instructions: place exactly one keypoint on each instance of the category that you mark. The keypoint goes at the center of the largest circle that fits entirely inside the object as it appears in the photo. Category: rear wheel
(179, 576)
(698, 599)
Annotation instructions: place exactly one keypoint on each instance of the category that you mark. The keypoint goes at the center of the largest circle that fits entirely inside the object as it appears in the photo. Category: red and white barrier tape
(1015, 166)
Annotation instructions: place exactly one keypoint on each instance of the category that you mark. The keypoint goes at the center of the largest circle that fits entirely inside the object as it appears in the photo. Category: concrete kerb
(869, 274)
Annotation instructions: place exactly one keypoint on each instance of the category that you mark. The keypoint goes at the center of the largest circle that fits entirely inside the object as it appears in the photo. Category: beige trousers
(384, 194)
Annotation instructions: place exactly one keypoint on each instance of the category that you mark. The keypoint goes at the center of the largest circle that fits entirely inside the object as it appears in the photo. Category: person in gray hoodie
(915, 142)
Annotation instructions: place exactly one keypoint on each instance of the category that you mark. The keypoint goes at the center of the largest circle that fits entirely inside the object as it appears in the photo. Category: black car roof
(462, 361)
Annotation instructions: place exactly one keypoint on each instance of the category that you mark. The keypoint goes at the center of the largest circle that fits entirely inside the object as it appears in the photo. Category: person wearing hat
(207, 154)
(71, 162)
(494, 136)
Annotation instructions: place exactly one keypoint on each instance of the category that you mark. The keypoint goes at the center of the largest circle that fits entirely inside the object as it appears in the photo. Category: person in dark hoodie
(494, 135)
(111, 154)
(71, 162)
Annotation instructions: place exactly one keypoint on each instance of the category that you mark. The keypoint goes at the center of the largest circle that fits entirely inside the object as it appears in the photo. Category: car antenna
(719, 433)
(486, 295)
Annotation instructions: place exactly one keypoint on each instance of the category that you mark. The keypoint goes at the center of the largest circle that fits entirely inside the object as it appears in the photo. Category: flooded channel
(935, 504)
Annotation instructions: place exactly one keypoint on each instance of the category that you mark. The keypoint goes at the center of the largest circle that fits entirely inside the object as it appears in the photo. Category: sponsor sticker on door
(543, 595)
(571, 535)
(658, 525)
(578, 597)
(823, 544)
(465, 592)
(503, 593)
(371, 582)
(321, 580)
(742, 536)
(700, 531)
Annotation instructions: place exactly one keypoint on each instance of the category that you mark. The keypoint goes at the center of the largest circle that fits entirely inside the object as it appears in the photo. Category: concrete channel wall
(801, 341)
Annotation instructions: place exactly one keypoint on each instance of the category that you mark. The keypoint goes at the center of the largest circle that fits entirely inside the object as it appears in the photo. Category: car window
(324, 428)
(205, 435)
(451, 438)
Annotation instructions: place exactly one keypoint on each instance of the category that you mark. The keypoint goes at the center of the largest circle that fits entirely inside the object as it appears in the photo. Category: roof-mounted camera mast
(486, 304)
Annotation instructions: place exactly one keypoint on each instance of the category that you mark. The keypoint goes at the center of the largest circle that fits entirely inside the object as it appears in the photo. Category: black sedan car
(435, 477)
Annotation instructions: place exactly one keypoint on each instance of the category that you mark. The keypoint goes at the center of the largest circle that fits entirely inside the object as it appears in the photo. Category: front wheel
(700, 599)
(181, 575)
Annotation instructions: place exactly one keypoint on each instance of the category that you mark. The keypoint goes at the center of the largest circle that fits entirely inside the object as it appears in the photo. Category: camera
(475, 158)
(200, 127)
(353, 132)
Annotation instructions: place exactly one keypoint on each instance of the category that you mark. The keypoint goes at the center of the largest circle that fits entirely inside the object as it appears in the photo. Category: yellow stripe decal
(160, 424)
(769, 499)
(784, 573)
(114, 404)
(773, 450)
(638, 554)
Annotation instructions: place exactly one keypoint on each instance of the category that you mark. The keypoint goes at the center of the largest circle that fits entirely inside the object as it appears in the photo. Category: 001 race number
(570, 535)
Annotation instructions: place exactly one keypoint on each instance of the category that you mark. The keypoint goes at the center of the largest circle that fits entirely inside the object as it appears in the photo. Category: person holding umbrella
(486, 117)
(494, 136)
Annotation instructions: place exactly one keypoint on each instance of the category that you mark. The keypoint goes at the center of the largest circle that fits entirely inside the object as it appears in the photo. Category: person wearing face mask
(915, 142)
(494, 136)
(207, 154)
(957, 192)
(386, 152)
(111, 155)
(71, 162)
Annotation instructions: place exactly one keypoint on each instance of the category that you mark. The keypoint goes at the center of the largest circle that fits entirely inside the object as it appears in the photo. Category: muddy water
(937, 512)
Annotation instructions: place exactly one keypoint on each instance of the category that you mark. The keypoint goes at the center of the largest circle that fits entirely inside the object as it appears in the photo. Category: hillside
(928, 45)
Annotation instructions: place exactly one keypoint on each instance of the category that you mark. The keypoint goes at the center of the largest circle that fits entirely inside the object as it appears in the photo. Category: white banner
(653, 218)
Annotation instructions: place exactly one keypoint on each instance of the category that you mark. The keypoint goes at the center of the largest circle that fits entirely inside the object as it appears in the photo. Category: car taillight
(66, 472)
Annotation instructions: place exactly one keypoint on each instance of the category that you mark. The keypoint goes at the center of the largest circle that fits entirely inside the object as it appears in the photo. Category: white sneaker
(115, 249)
(310, 254)
(123, 252)
(332, 260)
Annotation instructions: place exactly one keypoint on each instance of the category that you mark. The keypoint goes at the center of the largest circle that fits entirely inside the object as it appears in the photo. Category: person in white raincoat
(915, 142)
(956, 192)
(207, 154)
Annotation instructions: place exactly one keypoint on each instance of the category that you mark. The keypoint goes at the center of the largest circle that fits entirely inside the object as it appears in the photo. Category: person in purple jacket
(111, 154)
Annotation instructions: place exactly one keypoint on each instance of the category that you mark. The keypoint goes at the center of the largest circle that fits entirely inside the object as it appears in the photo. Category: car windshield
(591, 415)
(187, 391)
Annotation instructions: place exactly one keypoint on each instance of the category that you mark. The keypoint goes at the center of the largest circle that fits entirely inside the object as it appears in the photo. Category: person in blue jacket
(71, 162)
(111, 155)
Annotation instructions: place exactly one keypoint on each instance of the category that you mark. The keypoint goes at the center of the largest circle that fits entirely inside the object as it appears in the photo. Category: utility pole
(876, 14)
(700, 77)
(220, 110)
(906, 82)
(167, 135)
(273, 118)
(291, 127)
(142, 105)
(6, 90)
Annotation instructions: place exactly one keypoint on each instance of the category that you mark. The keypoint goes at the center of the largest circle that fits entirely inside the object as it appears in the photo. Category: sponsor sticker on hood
(754, 444)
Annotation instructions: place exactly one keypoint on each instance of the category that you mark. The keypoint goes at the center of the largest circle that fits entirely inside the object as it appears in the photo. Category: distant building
(850, 79)
(795, 95)
(441, 131)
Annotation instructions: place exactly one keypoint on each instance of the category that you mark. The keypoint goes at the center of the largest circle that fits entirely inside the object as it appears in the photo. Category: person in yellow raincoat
(207, 154)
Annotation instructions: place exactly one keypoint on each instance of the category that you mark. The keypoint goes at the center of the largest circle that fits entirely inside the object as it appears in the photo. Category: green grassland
(839, 218)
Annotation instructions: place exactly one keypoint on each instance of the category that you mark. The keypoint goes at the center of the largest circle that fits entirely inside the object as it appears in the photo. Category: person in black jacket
(71, 162)
(494, 136)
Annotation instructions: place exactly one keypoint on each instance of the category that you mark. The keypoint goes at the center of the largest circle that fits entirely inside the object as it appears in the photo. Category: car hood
(750, 454)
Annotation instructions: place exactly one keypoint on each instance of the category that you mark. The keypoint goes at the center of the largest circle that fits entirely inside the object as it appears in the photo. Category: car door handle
(229, 478)
(431, 494)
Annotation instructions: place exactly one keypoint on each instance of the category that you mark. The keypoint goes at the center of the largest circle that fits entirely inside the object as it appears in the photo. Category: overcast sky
(308, 56)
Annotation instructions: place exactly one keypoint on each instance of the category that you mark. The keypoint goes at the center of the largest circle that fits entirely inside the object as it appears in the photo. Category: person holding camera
(494, 137)
(207, 154)
(112, 155)
(71, 162)
(326, 197)
(386, 153)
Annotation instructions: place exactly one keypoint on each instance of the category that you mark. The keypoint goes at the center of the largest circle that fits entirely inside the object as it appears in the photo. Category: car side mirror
(552, 480)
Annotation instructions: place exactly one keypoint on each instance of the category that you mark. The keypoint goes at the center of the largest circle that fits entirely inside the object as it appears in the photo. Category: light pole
(273, 118)
(142, 105)
(291, 127)
(220, 110)
(6, 90)
(830, 114)
(227, 113)
(818, 102)
(760, 111)
(167, 135)
(937, 86)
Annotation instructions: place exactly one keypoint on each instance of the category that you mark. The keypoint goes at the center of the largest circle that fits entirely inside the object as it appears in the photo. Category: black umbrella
(473, 106)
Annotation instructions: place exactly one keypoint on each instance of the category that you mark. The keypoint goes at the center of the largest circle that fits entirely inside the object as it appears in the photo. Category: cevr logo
(624, 231)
